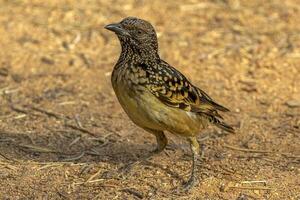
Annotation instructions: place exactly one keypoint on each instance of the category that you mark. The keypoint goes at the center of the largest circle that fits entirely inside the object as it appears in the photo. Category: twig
(74, 141)
(37, 148)
(60, 162)
(103, 138)
(7, 90)
(67, 103)
(75, 158)
(46, 112)
(9, 166)
(246, 150)
(62, 194)
(250, 182)
(93, 152)
(290, 155)
(85, 168)
(50, 165)
(20, 116)
(81, 129)
(18, 109)
(4, 156)
(85, 59)
(94, 175)
(133, 192)
(250, 188)
(204, 138)
(78, 122)
(7, 139)
(92, 181)
(2, 90)
(268, 159)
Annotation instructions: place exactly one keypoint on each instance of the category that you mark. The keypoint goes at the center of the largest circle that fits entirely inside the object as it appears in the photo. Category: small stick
(250, 188)
(94, 175)
(75, 158)
(81, 129)
(92, 181)
(11, 91)
(85, 59)
(93, 152)
(37, 148)
(4, 156)
(85, 168)
(2, 90)
(47, 166)
(9, 166)
(290, 155)
(67, 103)
(62, 194)
(18, 109)
(249, 182)
(204, 138)
(61, 163)
(78, 122)
(6, 139)
(246, 150)
(74, 141)
(133, 192)
(47, 112)
(96, 180)
(20, 116)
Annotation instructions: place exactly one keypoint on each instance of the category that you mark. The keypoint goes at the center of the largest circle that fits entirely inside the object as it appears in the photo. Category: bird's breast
(133, 98)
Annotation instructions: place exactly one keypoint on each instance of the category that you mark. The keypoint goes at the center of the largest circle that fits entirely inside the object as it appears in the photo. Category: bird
(156, 96)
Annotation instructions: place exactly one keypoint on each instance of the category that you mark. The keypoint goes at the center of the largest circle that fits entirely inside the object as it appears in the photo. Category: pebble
(293, 103)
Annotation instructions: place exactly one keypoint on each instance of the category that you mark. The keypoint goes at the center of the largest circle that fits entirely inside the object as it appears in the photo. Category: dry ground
(63, 134)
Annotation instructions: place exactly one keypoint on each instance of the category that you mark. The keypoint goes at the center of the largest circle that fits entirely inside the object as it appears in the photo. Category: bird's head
(137, 34)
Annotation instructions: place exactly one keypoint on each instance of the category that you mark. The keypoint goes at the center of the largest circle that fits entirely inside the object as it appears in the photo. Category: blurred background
(63, 135)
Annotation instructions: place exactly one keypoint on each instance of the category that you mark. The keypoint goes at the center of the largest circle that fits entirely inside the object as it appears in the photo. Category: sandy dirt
(63, 134)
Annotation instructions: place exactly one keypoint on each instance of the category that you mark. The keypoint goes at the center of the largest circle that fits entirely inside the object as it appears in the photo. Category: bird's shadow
(72, 147)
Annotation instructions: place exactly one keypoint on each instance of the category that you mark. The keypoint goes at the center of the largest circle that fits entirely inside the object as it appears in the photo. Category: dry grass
(63, 134)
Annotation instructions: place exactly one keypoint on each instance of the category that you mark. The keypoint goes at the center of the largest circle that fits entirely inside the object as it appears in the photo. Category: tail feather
(220, 124)
(210, 101)
(225, 127)
(219, 107)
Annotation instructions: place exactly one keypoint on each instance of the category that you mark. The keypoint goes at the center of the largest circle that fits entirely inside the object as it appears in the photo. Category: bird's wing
(173, 89)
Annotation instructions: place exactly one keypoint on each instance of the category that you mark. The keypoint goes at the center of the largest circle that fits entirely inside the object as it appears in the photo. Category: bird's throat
(138, 52)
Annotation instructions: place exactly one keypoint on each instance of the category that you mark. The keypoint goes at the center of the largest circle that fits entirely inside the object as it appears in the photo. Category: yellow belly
(146, 111)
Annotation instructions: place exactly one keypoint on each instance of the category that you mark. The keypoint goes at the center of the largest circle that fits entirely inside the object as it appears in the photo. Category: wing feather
(173, 89)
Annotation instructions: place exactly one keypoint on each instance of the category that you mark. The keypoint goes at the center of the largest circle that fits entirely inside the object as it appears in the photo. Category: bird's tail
(209, 101)
(220, 124)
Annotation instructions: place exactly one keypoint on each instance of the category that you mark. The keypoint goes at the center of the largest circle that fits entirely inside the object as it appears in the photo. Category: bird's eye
(139, 32)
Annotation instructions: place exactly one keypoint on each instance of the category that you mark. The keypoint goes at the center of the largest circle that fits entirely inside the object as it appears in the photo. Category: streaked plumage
(156, 96)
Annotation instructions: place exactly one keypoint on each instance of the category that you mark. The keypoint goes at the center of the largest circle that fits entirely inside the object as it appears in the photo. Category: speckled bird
(155, 95)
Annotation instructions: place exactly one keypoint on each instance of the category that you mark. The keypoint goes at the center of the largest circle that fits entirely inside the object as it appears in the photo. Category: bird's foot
(154, 151)
(126, 168)
(190, 183)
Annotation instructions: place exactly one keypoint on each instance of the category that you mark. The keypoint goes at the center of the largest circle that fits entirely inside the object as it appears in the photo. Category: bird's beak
(117, 28)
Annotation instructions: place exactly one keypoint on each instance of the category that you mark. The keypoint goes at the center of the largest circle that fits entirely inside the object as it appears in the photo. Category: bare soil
(63, 134)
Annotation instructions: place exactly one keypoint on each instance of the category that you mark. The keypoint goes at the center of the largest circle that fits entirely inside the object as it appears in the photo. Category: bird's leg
(195, 150)
(161, 140)
(161, 144)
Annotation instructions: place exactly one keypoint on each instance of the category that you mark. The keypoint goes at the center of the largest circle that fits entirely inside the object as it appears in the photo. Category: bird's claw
(190, 183)
(126, 168)
(155, 151)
